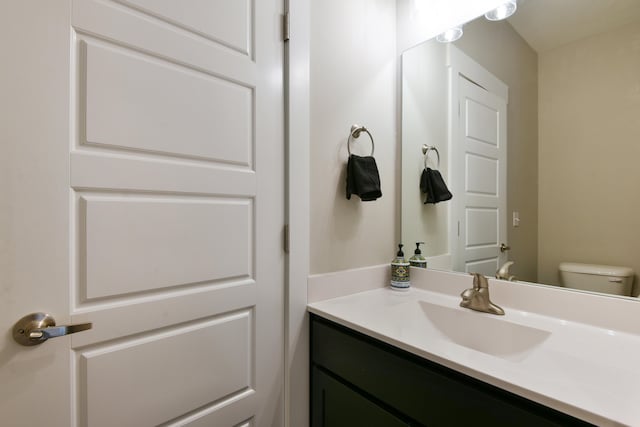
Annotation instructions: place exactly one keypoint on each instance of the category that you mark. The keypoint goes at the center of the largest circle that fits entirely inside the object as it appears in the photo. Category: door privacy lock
(36, 328)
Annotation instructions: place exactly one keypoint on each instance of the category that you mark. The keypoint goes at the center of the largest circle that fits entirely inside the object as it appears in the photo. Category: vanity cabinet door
(337, 405)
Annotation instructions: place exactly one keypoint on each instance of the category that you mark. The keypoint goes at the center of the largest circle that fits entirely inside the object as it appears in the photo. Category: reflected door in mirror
(479, 162)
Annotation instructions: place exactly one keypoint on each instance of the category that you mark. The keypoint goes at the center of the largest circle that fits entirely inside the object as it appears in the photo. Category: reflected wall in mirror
(573, 137)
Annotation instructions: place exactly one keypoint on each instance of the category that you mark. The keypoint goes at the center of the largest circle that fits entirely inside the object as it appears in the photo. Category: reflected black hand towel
(431, 182)
(363, 178)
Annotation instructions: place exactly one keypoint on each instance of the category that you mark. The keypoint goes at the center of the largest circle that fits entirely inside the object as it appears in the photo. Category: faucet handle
(479, 281)
(503, 271)
(477, 298)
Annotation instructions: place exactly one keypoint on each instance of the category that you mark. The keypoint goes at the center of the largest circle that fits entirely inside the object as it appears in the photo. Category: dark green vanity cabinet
(359, 381)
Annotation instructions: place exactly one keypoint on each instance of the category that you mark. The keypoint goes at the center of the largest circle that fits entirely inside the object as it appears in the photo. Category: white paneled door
(142, 191)
(480, 165)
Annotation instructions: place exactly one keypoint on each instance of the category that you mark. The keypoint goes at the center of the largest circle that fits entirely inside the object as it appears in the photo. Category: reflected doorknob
(36, 328)
(504, 248)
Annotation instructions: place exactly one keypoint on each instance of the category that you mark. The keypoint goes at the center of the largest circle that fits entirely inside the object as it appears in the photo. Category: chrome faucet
(477, 298)
(503, 272)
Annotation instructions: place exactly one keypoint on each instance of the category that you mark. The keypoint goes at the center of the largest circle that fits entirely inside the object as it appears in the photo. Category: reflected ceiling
(571, 20)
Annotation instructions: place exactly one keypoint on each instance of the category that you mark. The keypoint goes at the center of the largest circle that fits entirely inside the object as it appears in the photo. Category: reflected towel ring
(425, 150)
(356, 130)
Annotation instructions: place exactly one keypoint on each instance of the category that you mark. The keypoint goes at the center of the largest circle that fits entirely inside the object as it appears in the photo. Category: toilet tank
(608, 279)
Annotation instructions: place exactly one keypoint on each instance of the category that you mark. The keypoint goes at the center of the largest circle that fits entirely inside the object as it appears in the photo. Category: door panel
(226, 21)
(482, 227)
(139, 31)
(482, 122)
(147, 102)
(135, 244)
(482, 175)
(481, 160)
(178, 112)
(152, 206)
(196, 364)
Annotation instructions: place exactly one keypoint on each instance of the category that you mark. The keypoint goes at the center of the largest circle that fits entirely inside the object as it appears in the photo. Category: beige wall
(589, 153)
(499, 49)
(353, 80)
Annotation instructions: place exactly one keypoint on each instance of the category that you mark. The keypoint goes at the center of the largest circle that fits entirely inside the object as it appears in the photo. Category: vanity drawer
(423, 392)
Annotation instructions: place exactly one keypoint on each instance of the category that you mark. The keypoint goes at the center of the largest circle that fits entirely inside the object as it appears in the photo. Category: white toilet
(597, 278)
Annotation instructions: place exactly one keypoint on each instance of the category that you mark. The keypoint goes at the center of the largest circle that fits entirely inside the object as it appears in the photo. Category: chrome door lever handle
(504, 248)
(36, 328)
(58, 331)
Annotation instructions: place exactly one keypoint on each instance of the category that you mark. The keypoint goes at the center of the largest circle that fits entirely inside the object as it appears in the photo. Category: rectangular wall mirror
(536, 120)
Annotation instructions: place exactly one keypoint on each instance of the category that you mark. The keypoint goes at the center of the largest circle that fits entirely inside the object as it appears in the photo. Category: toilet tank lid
(600, 270)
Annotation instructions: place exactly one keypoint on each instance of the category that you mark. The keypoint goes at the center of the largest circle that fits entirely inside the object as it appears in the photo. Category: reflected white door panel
(479, 165)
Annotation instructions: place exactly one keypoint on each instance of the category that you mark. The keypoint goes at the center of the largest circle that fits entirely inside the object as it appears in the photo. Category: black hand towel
(431, 182)
(363, 178)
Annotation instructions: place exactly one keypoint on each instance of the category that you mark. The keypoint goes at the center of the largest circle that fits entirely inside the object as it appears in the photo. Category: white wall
(353, 80)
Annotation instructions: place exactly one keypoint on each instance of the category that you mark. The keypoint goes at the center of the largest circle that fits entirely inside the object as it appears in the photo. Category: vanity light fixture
(503, 11)
(451, 35)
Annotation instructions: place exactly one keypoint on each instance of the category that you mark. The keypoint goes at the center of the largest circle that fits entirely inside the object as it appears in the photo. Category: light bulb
(503, 11)
(451, 35)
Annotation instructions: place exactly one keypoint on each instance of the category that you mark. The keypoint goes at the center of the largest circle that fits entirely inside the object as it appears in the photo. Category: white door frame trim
(297, 141)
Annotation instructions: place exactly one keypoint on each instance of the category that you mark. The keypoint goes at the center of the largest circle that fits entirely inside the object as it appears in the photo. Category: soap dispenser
(417, 260)
(400, 272)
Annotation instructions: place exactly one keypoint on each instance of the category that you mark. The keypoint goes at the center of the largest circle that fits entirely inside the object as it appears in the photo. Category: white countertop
(589, 372)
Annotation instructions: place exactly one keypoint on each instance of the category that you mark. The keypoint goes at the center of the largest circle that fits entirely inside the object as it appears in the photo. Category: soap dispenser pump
(417, 260)
(400, 272)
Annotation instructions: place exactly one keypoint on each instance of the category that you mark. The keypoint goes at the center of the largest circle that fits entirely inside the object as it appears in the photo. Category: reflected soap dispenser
(417, 260)
(400, 272)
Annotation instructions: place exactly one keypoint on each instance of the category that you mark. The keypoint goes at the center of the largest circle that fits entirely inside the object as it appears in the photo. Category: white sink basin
(488, 333)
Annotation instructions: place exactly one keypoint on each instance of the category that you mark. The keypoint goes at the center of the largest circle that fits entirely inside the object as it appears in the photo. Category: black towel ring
(425, 150)
(356, 130)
